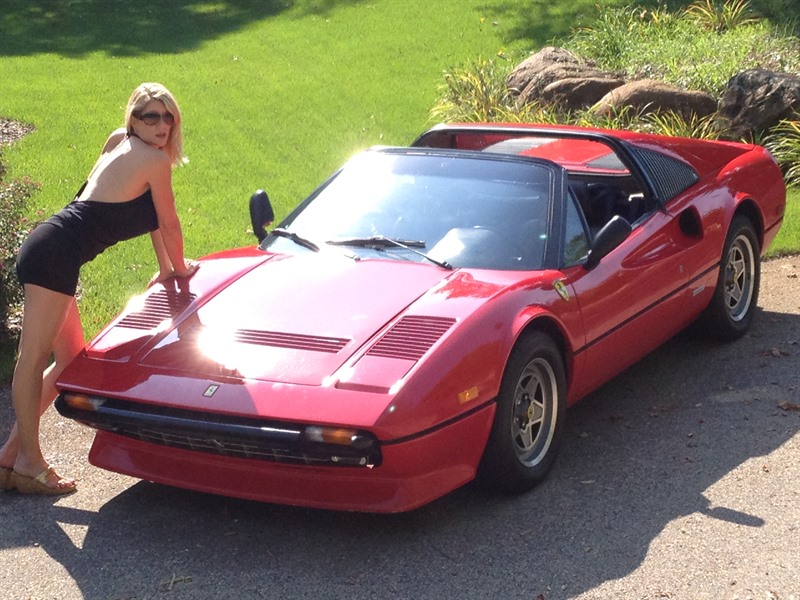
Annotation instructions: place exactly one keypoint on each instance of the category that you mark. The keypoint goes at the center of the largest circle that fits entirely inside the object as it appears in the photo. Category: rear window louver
(158, 307)
(669, 176)
(411, 337)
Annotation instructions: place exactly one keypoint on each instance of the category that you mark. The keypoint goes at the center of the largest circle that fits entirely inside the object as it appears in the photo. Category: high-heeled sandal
(5, 479)
(38, 484)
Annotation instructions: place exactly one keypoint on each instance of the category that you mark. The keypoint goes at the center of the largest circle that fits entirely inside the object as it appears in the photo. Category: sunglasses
(154, 118)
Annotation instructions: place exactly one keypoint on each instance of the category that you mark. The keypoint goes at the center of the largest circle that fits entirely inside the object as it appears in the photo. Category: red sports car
(427, 315)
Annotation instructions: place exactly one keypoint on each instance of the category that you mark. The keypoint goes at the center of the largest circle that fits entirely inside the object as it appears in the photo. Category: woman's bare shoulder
(114, 139)
(148, 154)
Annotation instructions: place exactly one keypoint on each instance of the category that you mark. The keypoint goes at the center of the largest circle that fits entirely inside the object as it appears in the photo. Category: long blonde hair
(155, 91)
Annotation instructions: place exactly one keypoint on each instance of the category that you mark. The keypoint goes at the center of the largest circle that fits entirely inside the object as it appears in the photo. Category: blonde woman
(128, 193)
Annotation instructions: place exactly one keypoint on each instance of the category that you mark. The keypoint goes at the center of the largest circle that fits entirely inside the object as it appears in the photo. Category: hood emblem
(210, 390)
(561, 289)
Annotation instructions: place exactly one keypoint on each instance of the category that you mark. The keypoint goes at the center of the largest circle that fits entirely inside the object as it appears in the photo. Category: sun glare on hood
(219, 345)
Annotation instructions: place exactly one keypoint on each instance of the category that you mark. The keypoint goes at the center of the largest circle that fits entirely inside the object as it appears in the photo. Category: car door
(633, 300)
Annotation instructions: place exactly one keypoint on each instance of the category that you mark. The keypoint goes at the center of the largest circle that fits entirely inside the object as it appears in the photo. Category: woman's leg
(50, 323)
(68, 344)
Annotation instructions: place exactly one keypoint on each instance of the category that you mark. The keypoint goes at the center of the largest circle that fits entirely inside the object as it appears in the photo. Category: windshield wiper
(380, 241)
(297, 239)
(377, 241)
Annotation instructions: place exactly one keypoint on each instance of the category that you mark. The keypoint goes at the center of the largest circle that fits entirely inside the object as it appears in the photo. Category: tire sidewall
(720, 321)
(501, 466)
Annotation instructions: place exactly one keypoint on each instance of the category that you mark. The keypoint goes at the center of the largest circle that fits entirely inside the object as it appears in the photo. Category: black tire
(527, 427)
(733, 306)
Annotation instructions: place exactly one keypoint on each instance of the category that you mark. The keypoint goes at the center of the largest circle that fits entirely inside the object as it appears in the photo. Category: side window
(576, 242)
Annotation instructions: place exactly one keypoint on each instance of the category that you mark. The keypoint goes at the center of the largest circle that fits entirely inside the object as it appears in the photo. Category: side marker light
(468, 395)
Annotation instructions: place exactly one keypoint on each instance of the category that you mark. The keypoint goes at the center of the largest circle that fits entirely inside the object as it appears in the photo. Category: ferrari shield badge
(210, 390)
(561, 289)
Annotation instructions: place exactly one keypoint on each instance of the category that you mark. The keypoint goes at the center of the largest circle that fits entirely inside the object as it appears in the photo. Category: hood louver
(158, 307)
(295, 341)
(411, 337)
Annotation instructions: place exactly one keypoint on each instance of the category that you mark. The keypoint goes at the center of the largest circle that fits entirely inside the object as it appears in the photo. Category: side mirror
(261, 214)
(609, 237)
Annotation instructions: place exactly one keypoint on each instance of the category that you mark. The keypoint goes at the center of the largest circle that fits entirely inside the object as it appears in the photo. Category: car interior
(600, 200)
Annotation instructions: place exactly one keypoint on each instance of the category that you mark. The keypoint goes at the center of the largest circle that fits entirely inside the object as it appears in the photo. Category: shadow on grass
(74, 28)
(538, 21)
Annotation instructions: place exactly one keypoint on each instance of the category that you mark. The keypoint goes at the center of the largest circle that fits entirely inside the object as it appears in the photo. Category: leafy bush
(13, 229)
(699, 48)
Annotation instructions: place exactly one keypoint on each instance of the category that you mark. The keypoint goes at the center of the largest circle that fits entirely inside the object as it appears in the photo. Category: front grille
(224, 435)
(223, 447)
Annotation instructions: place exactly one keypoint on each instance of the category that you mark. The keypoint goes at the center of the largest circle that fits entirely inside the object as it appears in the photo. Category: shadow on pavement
(638, 454)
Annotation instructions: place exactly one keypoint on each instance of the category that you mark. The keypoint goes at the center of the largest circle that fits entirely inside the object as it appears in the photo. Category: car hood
(319, 337)
(292, 319)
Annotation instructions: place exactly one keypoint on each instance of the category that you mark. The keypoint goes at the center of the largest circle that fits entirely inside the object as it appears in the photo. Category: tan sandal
(5, 479)
(38, 484)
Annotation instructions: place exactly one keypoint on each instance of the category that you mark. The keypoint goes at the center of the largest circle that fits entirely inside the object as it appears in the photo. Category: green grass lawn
(275, 95)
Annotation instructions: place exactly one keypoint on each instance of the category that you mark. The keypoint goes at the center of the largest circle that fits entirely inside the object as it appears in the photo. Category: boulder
(575, 93)
(648, 95)
(521, 76)
(551, 66)
(756, 100)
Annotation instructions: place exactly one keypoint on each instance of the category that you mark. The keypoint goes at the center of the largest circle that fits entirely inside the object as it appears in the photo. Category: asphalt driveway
(679, 479)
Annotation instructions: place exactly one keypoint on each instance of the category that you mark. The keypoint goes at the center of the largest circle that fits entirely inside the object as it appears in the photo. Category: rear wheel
(733, 305)
(530, 414)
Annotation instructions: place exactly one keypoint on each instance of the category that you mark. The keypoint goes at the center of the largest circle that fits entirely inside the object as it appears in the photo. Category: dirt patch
(12, 131)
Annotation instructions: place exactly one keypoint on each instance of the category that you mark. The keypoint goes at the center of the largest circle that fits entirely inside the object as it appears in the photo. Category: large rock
(521, 76)
(756, 100)
(554, 75)
(576, 93)
(648, 95)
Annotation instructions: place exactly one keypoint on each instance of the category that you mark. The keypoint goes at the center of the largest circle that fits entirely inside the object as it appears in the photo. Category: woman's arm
(168, 240)
(165, 270)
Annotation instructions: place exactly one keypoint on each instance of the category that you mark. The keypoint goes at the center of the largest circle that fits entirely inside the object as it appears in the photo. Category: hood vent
(296, 341)
(411, 337)
(158, 307)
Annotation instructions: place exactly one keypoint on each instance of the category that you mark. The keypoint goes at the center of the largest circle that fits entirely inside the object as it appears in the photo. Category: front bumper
(407, 474)
(225, 435)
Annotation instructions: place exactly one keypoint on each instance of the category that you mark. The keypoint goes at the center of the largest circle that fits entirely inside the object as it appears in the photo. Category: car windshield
(454, 210)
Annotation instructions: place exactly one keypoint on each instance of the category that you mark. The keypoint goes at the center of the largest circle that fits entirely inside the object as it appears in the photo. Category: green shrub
(13, 229)
(699, 48)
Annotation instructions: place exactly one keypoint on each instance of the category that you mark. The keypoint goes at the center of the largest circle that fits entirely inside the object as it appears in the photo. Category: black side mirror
(261, 214)
(609, 237)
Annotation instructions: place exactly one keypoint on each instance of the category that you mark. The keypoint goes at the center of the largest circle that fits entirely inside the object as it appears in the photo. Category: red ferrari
(427, 315)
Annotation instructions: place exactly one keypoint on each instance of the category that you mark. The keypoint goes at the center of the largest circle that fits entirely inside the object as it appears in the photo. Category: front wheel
(529, 419)
(733, 305)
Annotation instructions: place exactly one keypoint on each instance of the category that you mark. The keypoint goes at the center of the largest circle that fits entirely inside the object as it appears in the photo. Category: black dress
(52, 255)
